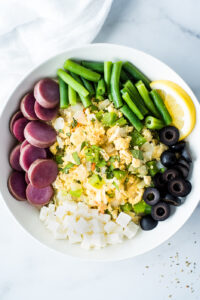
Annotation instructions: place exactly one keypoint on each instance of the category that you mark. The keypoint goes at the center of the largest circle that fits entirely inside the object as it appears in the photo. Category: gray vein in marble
(184, 29)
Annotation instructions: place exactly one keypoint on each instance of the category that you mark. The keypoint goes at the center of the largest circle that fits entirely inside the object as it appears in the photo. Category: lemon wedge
(179, 105)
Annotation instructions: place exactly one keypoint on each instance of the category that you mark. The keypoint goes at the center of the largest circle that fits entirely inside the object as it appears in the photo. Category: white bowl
(28, 216)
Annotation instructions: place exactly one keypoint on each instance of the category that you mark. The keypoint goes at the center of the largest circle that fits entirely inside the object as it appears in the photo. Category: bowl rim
(28, 74)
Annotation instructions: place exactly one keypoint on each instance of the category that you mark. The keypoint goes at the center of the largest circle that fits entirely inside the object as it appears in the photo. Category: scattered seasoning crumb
(170, 296)
(195, 242)
(147, 267)
(187, 263)
(169, 244)
(187, 286)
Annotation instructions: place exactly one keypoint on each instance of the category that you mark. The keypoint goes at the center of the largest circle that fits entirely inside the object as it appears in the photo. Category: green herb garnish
(76, 158)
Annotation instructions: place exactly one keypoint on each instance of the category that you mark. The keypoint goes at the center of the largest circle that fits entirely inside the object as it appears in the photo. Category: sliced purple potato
(27, 106)
(23, 144)
(45, 114)
(42, 172)
(40, 134)
(17, 185)
(14, 158)
(38, 197)
(14, 118)
(46, 93)
(26, 178)
(29, 154)
(18, 128)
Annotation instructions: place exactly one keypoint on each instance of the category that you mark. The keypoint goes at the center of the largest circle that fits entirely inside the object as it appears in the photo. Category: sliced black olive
(151, 196)
(170, 199)
(179, 187)
(168, 158)
(184, 171)
(159, 183)
(160, 211)
(184, 162)
(186, 154)
(169, 135)
(170, 174)
(178, 147)
(148, 223)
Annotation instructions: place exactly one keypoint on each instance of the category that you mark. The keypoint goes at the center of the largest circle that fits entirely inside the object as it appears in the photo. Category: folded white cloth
(31, 31)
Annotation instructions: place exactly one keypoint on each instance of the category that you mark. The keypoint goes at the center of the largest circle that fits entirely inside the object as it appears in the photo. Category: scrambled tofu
(98, 164)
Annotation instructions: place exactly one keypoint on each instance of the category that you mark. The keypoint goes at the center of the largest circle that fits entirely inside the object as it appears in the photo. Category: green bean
(107, 76)
(136, 73)
(158, 101)
(101, 89)
(145, 96)
(153, 123)
(82, 71)
(132, 106)
(94, 65)
(99, 67)
(89, 86)
(135, 96)
(123, 76)
(63, 88)
(85, 100)
(77, 86)
(114, 84)
(131, 117)
(72, 96)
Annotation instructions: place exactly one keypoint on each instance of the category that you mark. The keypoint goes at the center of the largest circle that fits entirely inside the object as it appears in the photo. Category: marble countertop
(169, 30)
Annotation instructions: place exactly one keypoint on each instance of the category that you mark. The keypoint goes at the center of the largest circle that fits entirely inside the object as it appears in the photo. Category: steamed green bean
(77, 86)
(136, 73)
(158, 101)
(115, 90)
(63, 88)
(132, 106)
(133, 119)
(82, 71)
(147, 100)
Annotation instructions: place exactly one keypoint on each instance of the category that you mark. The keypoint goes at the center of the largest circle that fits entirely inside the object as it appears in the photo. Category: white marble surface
(169, 30)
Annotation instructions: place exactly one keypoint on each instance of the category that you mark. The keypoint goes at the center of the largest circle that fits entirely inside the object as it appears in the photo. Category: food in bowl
(109, 159)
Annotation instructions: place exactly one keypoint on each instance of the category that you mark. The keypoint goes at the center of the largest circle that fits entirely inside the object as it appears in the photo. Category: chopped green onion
(101, 163)
(67, 167)
(119, 174)
(74, 123)
(137, 154)
(96, 181)
(109, 119)
(84, 144)
(76, 158)
(93, 108)
(76, 193)
(116, 185)
(142, 208)
(121, 122)
(99, 115)
(152, 167)
(59, 159)
(127, 207)
(137, 139)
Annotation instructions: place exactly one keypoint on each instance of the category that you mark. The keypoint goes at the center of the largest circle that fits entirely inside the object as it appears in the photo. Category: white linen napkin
(31, 31)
